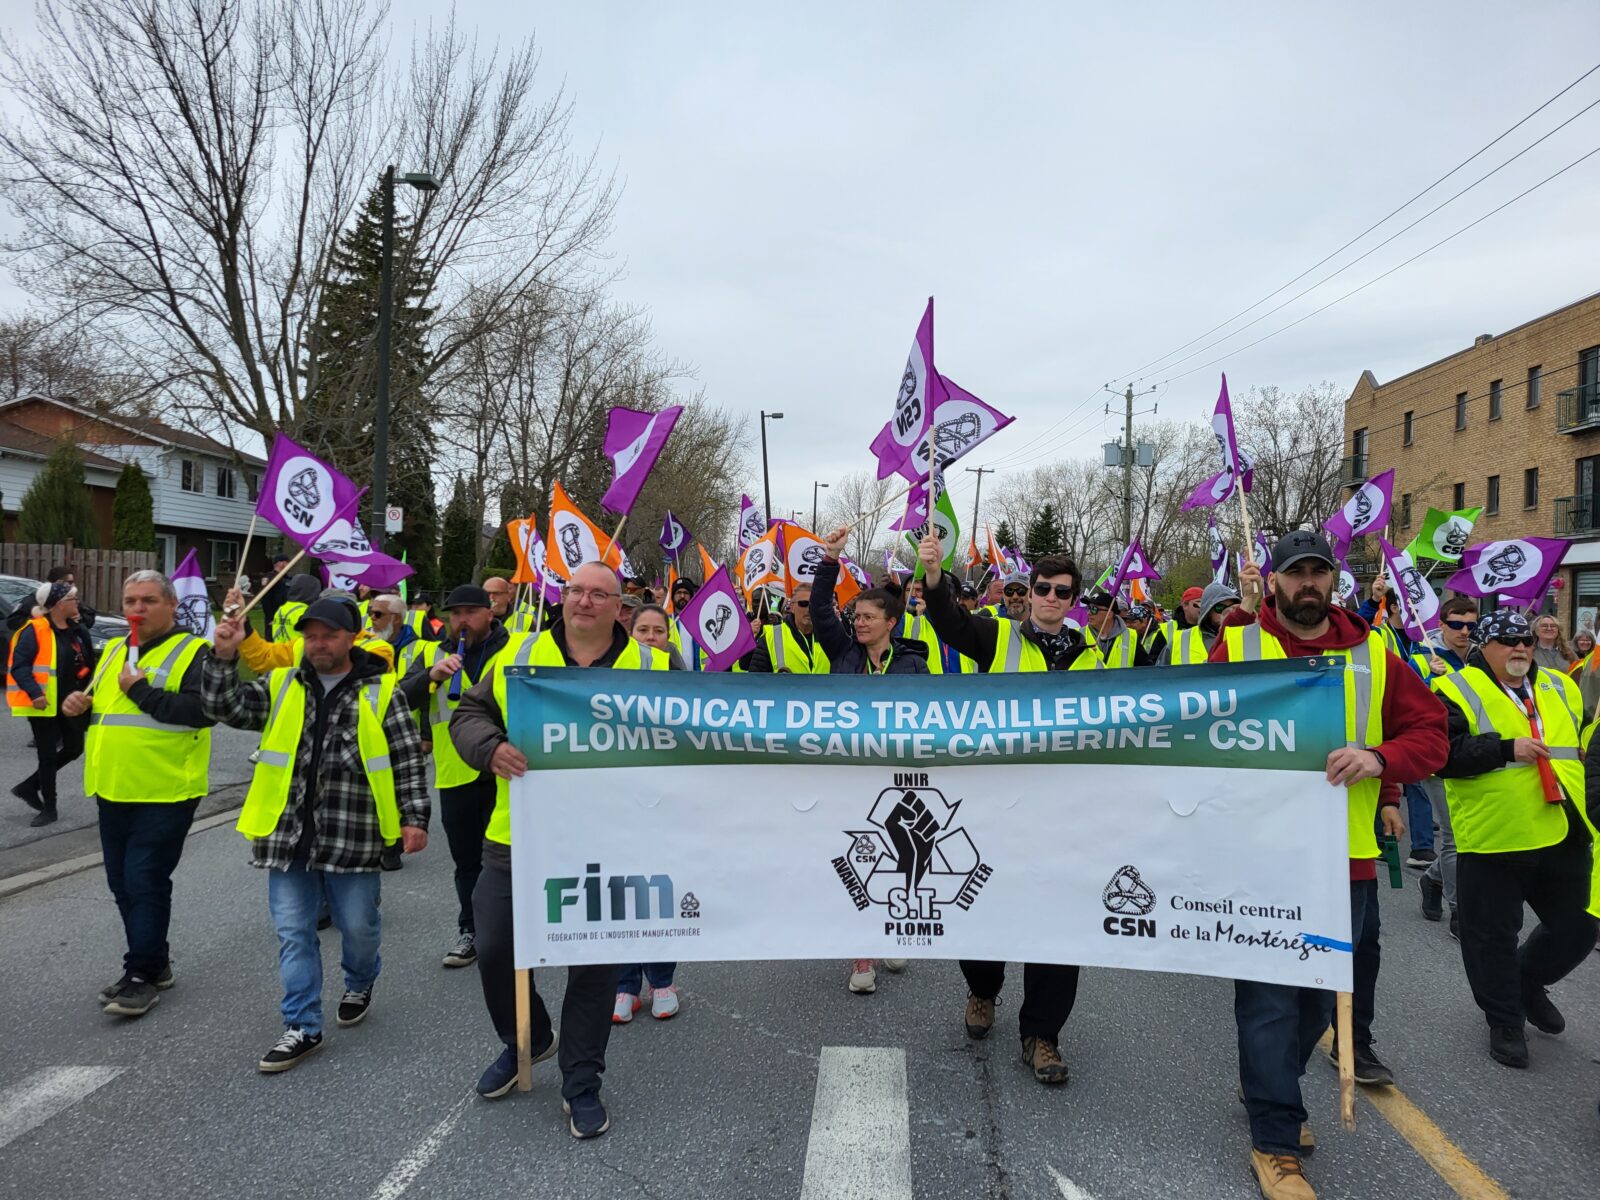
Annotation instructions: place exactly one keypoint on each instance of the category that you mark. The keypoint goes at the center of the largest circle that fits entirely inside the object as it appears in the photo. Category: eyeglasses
(1016, 591)
(1525, 640)
(592, 595)
(799, 604)
(1063, 591)
(1458, 626)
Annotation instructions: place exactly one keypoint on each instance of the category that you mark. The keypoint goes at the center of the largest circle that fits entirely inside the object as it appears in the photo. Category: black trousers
(464, 812)
(1049, 991)
(1491, 890)
(56, 742)
(585, 1009)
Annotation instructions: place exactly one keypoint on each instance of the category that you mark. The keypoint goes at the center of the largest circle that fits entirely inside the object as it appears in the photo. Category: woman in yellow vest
(51, 655)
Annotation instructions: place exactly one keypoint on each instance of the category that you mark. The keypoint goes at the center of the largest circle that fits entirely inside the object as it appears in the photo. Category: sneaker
(294, 1045)
(895, 965)
(501, 1075)
(1370, 1069)
(28, 795)
(863, 979)
(163, 981)
(134, 998)
(588, 1115)
(1280, 1176)
(627, 1004)
(1541, 1014)
(980, 1017)
(664, 1004)
(1455, 924)
(1508, 1046)
(1041, 1056)
(464, 951)
(353, 1007)
(1422, 859)
(1432, 899)
(45, 816)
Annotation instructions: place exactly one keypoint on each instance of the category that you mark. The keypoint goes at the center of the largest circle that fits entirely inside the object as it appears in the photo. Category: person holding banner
(790, 648)
(1516, 789)
(1395, 734)
(588, 635)
(1040, 642)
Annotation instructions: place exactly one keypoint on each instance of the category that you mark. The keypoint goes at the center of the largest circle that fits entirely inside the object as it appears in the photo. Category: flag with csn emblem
(674, 535)
(1219, 553)
(1419, 606)
(752, 524)
(1367, 511)
(715, 620)
(760, 565)
(919, 393)
(194, 601)
(574, 539)
(1135, 564)
(960, 422)
(1519, 569)
(1444, 535)
(802, 553)
(310, 501)
(1235, 464)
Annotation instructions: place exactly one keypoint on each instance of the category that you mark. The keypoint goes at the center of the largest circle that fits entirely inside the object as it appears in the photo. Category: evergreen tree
(133, 512)
(1044, 535)
(458, 549)
(1004, 538)
(55, 508)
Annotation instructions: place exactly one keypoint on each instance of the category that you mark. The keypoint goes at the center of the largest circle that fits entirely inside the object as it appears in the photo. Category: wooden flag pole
(615, 536)
(524, 1031)
(256, 599)
(1249, 538)
(248, 538)
(1344, 1023)
(901, 495)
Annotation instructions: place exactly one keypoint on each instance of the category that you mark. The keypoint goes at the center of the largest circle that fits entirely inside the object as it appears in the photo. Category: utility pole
(1127, 467)
(980, 472)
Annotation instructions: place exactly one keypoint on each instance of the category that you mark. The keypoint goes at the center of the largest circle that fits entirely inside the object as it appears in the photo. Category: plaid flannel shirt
(346, 837)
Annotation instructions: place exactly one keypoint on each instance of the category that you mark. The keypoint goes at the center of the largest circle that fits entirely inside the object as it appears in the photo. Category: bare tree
(852, 500)
(41, 356)
(1296, 442)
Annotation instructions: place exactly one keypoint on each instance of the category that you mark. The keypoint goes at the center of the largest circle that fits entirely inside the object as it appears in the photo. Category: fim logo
(1131, 899)
(648, 897)
(914, 860)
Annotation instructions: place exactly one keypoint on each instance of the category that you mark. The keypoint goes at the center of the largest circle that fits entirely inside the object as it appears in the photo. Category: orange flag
(758, 565)
(803, 551)
(707, 567)
(522, 531)
(575, 540)
(974, 559)
(996, 559)
(672, 579)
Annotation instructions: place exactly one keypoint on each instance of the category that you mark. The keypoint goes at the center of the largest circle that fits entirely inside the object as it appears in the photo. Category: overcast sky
(1081, 187)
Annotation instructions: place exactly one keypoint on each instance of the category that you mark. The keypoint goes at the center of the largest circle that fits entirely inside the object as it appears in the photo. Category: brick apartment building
(1512, 424)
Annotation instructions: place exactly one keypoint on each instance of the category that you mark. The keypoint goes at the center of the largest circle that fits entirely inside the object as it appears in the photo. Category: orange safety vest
(44, 672)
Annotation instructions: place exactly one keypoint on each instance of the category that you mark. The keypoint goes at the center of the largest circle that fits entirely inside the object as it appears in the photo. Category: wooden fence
(98, 573)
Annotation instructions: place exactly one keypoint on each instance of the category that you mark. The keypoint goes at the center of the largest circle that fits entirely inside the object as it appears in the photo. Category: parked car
(17, 592)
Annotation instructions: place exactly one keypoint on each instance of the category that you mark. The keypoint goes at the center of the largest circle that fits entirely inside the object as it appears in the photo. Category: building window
(1491, 500)
(252, 481)
(1535, 377)
(1494, 399)
(226, 487)
(1408, 428)
(1405, 510)
(1458, 499)
(194, 476)
(224, 558)
(1530, 488)
(1461, 410)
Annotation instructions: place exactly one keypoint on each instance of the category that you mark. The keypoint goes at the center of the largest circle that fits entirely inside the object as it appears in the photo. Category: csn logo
(621, 898)
(1131, 901)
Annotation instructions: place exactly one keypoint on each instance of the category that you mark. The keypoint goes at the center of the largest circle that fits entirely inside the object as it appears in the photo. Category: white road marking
(860, 1146)
(408, 1168)
(1068, 1189)
(43, 1094)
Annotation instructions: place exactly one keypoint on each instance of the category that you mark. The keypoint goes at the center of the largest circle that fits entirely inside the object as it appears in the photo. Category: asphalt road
(724, 1100)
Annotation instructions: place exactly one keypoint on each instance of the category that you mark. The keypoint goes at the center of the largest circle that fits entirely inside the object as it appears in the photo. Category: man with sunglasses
(1515, 783)
(791, 647)
(1458, 620)
(1014, 593)
(1395, 734)
(1113, 644)
(1041, 641)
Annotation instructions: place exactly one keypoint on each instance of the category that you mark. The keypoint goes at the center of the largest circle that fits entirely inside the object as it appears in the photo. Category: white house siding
(203, 510)
(17, 474)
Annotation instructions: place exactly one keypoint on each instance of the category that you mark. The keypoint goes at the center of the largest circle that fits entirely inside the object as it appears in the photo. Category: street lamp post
(423, 182)
(814, 486)
(766, 481)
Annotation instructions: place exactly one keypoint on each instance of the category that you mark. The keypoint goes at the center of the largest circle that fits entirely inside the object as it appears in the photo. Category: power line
(1464, 162)
(1023, 450)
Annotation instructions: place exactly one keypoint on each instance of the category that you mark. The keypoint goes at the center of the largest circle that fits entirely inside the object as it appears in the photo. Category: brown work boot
(1044, 1060)
(980, 1016)
(1280, 1177)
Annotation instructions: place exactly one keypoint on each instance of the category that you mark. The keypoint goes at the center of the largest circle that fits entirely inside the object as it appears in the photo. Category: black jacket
(416, 686)
(977, 636)
(847, 656)
(75, 659)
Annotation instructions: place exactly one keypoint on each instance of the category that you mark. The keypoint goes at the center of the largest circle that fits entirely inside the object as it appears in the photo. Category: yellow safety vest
(1187, 648)
(428, 652)
(43, 671)
(280, 742)
(130, 757)
(1364, 681)
(417, 622)
(787, 654)
(285, 619)
(449, 768)
(521, 620)
(1505, 810)
(919, 629)
(526, 651)
(363, 607)
(694, 658)
(1013, 652)
(1093, 658)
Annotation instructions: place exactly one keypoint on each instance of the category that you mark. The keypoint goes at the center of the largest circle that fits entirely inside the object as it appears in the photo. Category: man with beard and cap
(302, 590)
(1395, 734)
(1515, 786)
(1040, 642)
(1112, 642)
(688, 649)
(466, 794)
(790, 648)
(1013, 596)
(1193, 645)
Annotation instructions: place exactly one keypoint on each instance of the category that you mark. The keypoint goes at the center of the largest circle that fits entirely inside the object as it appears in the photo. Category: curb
(85, 862)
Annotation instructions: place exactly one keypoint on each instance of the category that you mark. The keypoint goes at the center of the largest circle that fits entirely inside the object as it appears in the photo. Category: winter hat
(1503, 622)
(48, 595)
(1140, 612)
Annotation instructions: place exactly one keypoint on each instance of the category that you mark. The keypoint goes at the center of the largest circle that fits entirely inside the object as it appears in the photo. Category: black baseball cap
(1300, 544)
(468, 595)
(335, 614)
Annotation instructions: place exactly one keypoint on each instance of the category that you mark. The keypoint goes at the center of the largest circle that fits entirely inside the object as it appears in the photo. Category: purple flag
(376, 570)
(1219, 553)
(715, 620)
(1419, 606)
(1235, 464)
(856, 573)
(194, 601)
(1263, 551)
(548, 584)
(752, 525)
(310, 501)
(1135, 564)
(674, 537)
(633, 442)
(1519, 569)
(1346, 589)
(921, 392)
(1365, 512)
(960, 422)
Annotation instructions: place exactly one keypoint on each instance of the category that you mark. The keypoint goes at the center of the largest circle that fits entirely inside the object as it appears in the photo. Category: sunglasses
(1458, 626)
(1525, 640)
(1063, 591)
(799, 604)
(1016, 591)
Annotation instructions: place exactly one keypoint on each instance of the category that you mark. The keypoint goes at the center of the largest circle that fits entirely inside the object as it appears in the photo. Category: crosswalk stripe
(408, 1168)
(860, 1144)
(43, 1094)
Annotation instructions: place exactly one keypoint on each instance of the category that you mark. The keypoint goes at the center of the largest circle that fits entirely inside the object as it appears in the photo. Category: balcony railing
(1353, 470)
(1578, 409)
(1577, 516)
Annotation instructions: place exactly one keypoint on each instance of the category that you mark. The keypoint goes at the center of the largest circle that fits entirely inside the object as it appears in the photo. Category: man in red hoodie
(1397, 734)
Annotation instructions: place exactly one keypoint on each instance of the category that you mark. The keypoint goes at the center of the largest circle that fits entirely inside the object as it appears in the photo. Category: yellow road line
(1464, 1177)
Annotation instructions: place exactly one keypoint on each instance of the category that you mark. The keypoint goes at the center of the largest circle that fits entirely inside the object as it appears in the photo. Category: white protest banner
(1139, 818)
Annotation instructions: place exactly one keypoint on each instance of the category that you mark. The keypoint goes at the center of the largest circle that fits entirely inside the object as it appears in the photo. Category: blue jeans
(1279, 1027)
(659, 975)
(1419, 817)
(294, 897)
(141, 845)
